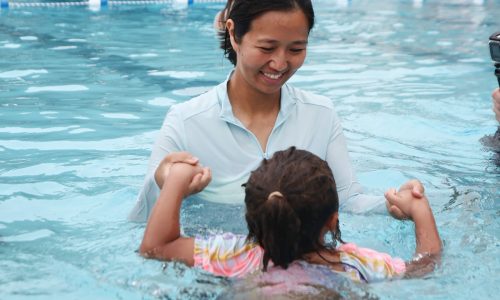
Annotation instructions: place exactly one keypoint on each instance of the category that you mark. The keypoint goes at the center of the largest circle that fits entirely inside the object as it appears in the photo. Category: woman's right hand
(496, 103)
(199, 181)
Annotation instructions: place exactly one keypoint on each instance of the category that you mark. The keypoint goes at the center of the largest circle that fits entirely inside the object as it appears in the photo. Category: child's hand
(188, 178)
(199, 181)
(164, 168)
(398, 204)
(401, 204)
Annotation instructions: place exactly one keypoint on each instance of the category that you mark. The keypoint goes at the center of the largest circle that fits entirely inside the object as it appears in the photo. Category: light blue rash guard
(206, 127)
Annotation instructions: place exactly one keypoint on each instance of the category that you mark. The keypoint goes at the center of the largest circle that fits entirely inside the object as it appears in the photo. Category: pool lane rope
(4, 4)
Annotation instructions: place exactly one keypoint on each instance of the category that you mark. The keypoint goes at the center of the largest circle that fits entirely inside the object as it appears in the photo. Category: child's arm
(162, 238)
(428, 242)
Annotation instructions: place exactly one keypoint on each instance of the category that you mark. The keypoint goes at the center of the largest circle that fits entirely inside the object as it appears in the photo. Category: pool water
(83, 93)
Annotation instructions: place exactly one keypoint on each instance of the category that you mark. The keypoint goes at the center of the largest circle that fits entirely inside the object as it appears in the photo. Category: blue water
(83, 93)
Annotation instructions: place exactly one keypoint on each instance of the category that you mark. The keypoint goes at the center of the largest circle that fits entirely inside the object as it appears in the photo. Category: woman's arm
(351, 196)
(170, 139)
(162, 238)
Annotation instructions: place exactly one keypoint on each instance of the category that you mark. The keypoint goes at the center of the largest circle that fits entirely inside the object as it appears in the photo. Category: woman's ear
(230, 30)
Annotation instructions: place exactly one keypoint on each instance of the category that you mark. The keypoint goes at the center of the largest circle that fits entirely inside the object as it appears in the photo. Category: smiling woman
(255, 113)
(268, 55)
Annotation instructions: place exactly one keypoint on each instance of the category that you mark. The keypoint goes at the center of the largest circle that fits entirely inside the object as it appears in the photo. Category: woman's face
(271, 51)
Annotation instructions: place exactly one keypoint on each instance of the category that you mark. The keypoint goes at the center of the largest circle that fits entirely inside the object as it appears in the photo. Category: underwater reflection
(300, 281)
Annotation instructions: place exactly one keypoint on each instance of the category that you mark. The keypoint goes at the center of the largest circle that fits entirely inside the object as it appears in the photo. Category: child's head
(289, 199)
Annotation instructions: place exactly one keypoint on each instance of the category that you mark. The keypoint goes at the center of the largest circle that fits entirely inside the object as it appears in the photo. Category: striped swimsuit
(231, 255)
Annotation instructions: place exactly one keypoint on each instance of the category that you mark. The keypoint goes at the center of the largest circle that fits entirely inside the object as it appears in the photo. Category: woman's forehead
(275, 26)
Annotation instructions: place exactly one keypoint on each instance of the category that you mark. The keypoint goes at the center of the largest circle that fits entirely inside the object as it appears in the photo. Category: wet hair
(289, 198)
(243, 12)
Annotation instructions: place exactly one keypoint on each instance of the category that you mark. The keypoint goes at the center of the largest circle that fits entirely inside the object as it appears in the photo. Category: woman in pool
(291, 204)
(255, 113)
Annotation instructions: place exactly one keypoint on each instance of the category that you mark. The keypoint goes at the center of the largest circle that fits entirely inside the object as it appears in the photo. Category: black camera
(495, 53)
(495, 46)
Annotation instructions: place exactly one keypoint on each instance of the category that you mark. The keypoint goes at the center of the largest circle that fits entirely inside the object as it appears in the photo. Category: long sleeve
(170, 139)
(350, 191)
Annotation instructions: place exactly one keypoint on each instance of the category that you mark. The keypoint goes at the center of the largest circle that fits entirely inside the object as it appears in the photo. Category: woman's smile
(273, 78)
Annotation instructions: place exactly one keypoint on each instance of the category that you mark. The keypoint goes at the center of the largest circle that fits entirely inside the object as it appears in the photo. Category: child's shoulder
(371, 265)
(227, 254)
(224, 241)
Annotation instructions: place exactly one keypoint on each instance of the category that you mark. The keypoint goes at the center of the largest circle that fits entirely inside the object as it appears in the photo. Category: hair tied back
(273, 194)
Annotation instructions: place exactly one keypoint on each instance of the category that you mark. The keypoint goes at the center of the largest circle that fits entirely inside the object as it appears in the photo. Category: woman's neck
(246, 98)
(256, 111)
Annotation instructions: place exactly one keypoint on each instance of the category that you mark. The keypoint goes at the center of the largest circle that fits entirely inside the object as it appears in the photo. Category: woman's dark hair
(243, 12)
(289, 198)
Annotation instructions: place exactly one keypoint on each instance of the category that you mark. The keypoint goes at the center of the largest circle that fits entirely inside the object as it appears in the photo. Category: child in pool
(291, 204)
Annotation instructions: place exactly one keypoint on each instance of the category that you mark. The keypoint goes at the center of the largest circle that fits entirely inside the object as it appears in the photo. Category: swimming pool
(83, 93)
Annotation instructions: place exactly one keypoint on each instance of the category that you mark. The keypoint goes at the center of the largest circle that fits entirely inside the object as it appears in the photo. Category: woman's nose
(279, 61)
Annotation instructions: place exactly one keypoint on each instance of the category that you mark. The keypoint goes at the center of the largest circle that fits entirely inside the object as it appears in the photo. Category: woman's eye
(297, 50)
(265, 49)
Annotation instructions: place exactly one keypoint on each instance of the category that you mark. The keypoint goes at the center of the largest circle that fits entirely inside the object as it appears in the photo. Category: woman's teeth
(273, 76)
